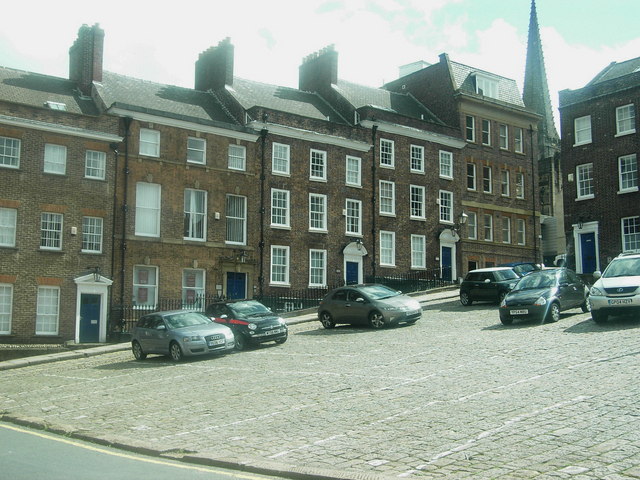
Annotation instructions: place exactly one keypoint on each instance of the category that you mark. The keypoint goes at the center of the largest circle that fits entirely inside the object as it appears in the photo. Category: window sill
(586, 197)
(624, 134)
(280, 227)
(583, 143)
(629, 190)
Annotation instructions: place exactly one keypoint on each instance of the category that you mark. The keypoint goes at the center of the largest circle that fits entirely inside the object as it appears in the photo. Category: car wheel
(241, 343)
(175, 351)
(327, 320)
(586, 306)
(137, 351)
(376, 320)
(506, 320)
(280, 341)
(553, 315)
(598, 317)
(465, 299)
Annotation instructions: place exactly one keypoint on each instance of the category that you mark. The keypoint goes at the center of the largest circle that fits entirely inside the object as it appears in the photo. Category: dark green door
(89, 318)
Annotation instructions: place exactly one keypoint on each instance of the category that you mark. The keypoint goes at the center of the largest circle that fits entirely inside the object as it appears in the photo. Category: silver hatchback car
(616, 291)
(179, 333)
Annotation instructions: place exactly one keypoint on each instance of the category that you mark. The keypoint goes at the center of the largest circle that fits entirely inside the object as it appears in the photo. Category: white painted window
(387, 248)
(582, 128)
(446, 206)
(628, 173)
(520, 231)
(387, 198)
(486, 132)
(354, 217)
(317, 212)
(418, 251)
(488, 227)
(519, 185)
(236, 215)
(279, 265)
(626, 119)
(470, 128)
(95, 165)
(149, 142)
(9, 152)
(147, 222)
(584, 176)
(417, 159)
(280, 160)
(47, 310)
(387, 153)
(486, 86)
(417, 202)
(506, 230)
(8, 222)
(471, 176)
(237, 157)
(487, 184)
(193, 289)
(279, 208)
(317, 268)
(145, 286)
(195, 214)
(92, 234)
(6, 308)
(472, 226)
(353, 171)
(631, 234)
(518, 140)
(318, 165)
(51, 231)
(55, 159)
(504, 137)
(505, 186)
(446, 164)
(196, 150)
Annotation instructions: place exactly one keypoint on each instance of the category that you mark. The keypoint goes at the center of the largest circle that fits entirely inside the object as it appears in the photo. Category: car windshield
(506, 275)
(378, 292)
(186, 319)
(524, 268)
(537, 280)
(250, 309)
(624, 267)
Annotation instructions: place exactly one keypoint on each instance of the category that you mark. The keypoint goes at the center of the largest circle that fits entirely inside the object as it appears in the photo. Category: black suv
(252, 323)
(487, 284)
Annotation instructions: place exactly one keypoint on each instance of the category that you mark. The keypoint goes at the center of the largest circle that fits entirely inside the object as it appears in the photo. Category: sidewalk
(292, 318)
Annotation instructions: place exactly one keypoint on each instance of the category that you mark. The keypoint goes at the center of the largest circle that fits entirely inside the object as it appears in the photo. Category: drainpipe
(125, 206)
(114, 147)
(374, 192)
(533, 194)
(263, 137)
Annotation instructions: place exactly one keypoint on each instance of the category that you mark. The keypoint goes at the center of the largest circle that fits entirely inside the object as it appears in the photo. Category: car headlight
(281, 321)
(252, 326)
(540, 301)
(193, 338)
(596, 291)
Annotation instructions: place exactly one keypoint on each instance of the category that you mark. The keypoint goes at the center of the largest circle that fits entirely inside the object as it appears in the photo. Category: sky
(161, 41)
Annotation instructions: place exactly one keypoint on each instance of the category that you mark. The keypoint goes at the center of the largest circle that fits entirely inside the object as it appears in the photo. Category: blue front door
(89, 318)
(446, 263)
(352, 273)
(236, 285)
(588, 251)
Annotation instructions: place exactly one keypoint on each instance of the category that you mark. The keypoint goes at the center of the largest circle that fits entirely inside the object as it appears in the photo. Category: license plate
(519, 312)
(620, 301)
(213, 343)
(273, 332)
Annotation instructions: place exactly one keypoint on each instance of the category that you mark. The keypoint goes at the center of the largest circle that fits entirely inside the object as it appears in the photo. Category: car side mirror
(161, 327)
(597, 274)
(487, 280)
(360, 300)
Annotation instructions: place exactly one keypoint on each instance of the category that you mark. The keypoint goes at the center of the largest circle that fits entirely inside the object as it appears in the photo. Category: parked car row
(225, 326)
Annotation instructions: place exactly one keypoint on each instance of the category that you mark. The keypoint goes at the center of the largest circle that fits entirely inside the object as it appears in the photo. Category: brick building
(600, 146)
(497, 172)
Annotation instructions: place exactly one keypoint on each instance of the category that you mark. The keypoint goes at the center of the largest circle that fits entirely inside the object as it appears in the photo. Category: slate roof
(400, 103)
(283, 99)
(34, 90)
(617, 70)
(144, 96)
(463, 80)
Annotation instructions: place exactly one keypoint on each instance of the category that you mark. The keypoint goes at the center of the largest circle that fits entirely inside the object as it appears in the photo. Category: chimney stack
(214, 67)
(319, 70)
(85, 57)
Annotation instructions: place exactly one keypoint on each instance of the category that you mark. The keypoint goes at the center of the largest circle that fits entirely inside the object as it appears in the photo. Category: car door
(487, 288)
(575, 290)
(159, 335)
(358, 307)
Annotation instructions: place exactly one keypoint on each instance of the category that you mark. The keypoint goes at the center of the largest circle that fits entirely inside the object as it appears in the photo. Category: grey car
(617, 290)
(179, 333)
(368, 304)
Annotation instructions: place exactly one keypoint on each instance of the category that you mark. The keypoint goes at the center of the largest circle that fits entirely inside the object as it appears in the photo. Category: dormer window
(55, 106)
(486, 86)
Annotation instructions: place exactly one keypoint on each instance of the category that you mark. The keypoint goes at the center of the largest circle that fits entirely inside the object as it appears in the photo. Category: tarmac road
(457, 396)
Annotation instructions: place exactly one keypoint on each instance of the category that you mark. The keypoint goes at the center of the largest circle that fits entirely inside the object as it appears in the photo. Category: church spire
(536, 90)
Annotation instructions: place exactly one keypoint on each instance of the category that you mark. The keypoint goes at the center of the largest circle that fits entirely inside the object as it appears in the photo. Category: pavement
(292, 318)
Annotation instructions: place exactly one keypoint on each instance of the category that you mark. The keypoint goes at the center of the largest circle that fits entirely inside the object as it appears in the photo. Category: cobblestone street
(457, 395)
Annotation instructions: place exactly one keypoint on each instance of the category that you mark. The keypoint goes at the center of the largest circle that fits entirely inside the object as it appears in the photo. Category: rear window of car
(505, 275)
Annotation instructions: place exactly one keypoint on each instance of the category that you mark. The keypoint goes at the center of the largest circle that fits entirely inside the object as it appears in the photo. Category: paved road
(457, 396)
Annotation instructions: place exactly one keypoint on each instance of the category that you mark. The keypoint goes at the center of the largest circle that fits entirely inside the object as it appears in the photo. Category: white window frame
(473, 177)
(353, 168)
(520, 185)
(8, 226)
(317, 268)
(387, 196)
(147, 221)
(95, 165)
(518, 140)
(630, 234)
(6, 308)
(387, 153)
(237, 157)
(51, 228)
(47, 310)
(446, 206)
(387, 248)
(446, 164)
(625, 120)
(196, 150)
(55, 159)
(504, 136)
(470, 128)
(488, 227)
(92, 234)
(145, 278)
(149, 142)
(487, 181)
(628, 173)
(505, 183)
(487, 86)
(280, 159)
(352, 207)
(279, 272)
(10, 152)
(472, 226)
(195, 215)
(486, 132)
(506, 230)
(521, 231)
(418, 251)
(417, 158)
(417, 202)
(236, 216)
(317, 216)
(280, 208)
(584, 183)
(193, 280)
(582, 130)
(318, 165)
